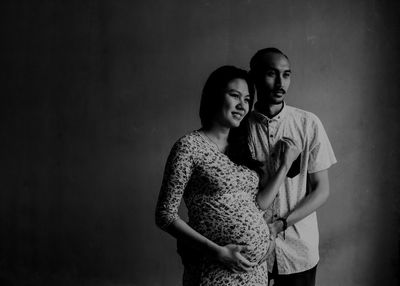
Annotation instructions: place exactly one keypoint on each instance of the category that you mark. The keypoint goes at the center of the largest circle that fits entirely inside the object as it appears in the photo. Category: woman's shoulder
(189, 139)
(189, 142)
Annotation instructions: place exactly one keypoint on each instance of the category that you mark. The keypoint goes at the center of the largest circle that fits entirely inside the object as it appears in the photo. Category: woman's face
(236, 101)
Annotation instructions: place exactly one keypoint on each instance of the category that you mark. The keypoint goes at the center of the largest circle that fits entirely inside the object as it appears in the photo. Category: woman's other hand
(289, 151)
(230, 256)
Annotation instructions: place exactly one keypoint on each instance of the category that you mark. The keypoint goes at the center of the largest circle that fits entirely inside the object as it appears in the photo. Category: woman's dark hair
(211, 103)
(213, 92)
(238, 147)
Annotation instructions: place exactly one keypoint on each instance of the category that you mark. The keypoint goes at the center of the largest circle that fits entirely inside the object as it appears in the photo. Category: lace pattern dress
(221, 200)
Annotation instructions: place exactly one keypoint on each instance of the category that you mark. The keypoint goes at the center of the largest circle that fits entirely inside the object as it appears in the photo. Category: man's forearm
(315, 199)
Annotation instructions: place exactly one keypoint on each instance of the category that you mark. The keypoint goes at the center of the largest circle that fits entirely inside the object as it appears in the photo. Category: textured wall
(96, 92)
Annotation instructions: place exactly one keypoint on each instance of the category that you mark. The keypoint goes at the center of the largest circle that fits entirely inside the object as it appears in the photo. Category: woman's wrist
(284, 167)
(213, 249)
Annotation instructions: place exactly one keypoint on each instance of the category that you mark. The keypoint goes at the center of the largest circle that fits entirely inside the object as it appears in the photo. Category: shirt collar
(265, 119)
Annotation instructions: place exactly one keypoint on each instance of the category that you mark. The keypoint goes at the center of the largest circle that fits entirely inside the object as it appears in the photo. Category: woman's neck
(218, 132)
(218, 135)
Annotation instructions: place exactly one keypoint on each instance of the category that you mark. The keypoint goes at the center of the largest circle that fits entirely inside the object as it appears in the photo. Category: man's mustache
(281, 90)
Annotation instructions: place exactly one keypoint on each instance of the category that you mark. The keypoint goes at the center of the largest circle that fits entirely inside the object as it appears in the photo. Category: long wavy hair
(238, 147)
(211, 103)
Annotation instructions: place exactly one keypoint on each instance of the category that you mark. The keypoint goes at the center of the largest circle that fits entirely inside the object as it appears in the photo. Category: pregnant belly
(244, 226)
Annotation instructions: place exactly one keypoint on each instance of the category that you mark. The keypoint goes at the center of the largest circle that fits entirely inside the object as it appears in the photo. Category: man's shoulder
(301, 114)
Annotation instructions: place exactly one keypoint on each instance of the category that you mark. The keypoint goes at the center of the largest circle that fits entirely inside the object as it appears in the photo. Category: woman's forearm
(182, 231)
(268, 190)
(229, 255)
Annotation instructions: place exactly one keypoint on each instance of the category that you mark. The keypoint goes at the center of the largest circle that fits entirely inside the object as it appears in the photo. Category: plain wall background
(95, 93)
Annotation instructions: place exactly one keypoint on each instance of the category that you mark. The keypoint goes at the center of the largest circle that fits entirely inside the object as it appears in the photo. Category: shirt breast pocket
(295, 168)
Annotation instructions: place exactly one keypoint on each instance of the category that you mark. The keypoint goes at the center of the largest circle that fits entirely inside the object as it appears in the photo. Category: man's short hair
(255, 60)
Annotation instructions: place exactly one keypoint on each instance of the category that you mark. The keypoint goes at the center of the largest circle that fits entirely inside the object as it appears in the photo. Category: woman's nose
(240, 105)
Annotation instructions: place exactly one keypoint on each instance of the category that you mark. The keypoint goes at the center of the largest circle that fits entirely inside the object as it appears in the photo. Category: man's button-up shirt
(298, 251)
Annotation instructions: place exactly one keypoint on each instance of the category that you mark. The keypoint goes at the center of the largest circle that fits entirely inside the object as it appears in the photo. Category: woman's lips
(237, 115)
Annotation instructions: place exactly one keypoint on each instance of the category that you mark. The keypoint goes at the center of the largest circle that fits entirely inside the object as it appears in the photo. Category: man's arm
(316, 198)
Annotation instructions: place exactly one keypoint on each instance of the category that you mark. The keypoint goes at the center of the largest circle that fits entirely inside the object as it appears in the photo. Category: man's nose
(278, 81)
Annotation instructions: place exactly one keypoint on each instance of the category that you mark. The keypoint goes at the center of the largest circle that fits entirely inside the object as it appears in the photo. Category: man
(291, 217)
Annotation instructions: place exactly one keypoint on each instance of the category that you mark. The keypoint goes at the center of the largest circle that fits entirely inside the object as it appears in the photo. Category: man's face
(273, 78)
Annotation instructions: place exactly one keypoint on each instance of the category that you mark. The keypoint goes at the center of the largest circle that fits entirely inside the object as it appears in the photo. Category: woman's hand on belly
(230, 256)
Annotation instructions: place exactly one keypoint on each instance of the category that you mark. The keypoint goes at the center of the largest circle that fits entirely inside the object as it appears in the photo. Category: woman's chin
(235, 125)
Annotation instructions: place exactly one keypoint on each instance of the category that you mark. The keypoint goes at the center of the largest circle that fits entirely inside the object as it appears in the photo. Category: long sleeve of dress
(177, 173)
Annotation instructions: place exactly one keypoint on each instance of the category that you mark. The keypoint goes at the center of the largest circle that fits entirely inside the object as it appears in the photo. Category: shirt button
(271, 135)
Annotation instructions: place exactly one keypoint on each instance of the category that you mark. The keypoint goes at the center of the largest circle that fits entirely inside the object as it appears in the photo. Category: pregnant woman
(226, 239)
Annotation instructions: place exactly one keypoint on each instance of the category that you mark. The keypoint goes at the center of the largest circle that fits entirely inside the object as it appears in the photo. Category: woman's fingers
(288, 139)
(240, 263)
(243, 264)
(241, 268)
(289, 142)
(289, 150)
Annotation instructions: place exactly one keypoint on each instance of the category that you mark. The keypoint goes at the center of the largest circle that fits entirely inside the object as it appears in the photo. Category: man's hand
(275, 228)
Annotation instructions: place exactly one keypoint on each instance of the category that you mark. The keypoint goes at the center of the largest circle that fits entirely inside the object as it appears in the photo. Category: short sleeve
(321, 153)
(250, 139)
(177, 173)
